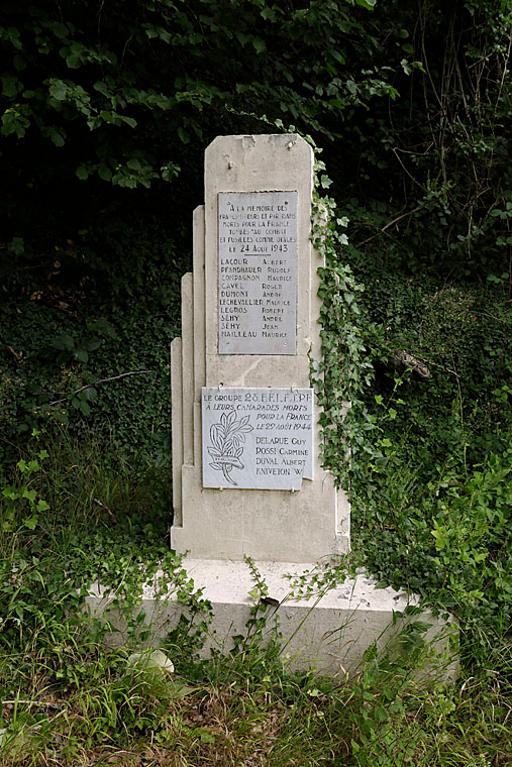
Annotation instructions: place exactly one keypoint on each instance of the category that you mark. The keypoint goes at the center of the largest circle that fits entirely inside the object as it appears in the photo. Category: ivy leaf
(57, 89)
(104, 172)
(73, 54)
(81, 355)
(131, 121)
(11, 86)
(258, 44)
(169, 171)
(157, 32)
(82, 173)
(12, 36)
(269, 14)
(55, 135)
(82, 405)
(184, 135)
(59, 30)
(14, 122)
(63, 342)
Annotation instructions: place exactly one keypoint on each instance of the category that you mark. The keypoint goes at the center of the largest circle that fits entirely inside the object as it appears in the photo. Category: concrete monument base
(318, 627)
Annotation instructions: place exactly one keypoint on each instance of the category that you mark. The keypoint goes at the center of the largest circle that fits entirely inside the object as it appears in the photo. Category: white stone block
(187, 366)
(199, 303)
(329, 632)
(258, 438)
(296, 526)
(177, 427)
(259, 163)
(258, 272)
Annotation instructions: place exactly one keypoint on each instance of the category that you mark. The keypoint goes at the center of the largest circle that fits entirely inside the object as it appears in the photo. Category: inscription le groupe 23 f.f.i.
(257, 438)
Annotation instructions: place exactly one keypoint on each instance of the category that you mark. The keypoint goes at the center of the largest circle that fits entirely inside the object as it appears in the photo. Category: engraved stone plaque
(257, 438)
(257, 284)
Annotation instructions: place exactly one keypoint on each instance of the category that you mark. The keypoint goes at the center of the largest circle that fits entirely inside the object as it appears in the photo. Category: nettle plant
(22, 502)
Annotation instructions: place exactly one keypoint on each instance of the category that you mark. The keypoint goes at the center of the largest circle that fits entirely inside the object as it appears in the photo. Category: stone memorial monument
(249, 492)
(247, 479)
(246, 474)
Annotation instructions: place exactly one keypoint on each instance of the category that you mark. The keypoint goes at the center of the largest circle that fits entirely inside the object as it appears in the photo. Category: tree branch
(390, 223)
(97, 383)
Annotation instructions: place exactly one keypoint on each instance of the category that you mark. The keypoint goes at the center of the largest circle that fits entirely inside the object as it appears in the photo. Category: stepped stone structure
(246, 473)
(250, 321)
(249, 493)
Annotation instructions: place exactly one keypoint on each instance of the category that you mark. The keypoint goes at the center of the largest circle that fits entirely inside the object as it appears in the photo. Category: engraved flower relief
(227, 439)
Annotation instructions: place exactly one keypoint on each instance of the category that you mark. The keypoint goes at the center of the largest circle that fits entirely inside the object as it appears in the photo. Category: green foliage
(68, 363)
(449, 542)
(67, 697)
(412, 104)
(100, 82)
(105, 112)
(23, 505)
(441, 159)
(414, 382)
(344, 371)
(471, 529)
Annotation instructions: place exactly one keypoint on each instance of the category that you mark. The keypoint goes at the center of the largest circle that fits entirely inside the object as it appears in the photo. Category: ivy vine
(344, 371)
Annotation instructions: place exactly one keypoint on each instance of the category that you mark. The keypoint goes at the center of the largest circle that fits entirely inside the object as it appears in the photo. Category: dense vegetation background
(106, 111)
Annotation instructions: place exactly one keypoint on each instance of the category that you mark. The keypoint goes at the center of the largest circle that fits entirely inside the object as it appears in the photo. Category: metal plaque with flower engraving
(257, 438)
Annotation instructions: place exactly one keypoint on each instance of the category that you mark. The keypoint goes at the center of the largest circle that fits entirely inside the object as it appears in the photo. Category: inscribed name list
(257, 438)
(257, 247)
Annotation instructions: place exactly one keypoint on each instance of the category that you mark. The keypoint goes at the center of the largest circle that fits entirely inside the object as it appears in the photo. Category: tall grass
(69, 700)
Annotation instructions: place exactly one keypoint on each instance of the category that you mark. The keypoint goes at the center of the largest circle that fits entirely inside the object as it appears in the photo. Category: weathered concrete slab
(329, 631)
(311, 520)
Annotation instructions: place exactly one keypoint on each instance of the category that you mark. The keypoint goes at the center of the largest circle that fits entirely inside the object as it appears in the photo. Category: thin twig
(97, 383)
(390, 223)
(106, 508)
(44, 703)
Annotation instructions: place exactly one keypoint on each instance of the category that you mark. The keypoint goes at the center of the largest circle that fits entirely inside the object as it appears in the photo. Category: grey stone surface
(257, 438)
(215, 522)
(286, 533)
(177, 426)
(260, 163)
(187, 366)
(329, 631)
(257, 257)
